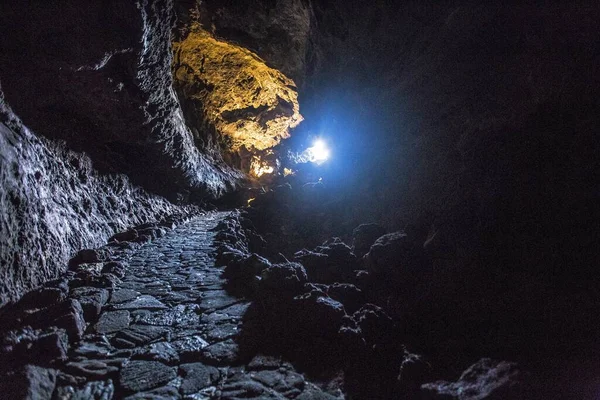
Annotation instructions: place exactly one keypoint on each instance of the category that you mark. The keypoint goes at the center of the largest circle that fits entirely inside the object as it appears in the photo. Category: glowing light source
(260, 167)
(288, 172)
(318, 153)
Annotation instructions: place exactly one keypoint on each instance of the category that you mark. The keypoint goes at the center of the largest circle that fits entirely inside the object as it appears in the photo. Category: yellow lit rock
(250, 103)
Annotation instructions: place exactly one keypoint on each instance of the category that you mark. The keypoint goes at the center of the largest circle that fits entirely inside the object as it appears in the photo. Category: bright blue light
(318, 153)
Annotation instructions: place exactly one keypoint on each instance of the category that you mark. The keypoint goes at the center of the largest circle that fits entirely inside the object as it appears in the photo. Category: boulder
(375, 325)
(71, 320)
(486, 379)
(87, 256)
(127, 236)
(286, 278)
(414, 371)
(226, 255)
(67, 315)
(92, 300)
(247, 268)
(331, 262)
(26, 344)
(349, 295)
(363, 237)
(317, 315)
(44, 296)
(396, 257)
(116, 268)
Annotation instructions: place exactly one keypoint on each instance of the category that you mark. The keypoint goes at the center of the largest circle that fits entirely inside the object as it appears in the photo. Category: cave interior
(299, 199)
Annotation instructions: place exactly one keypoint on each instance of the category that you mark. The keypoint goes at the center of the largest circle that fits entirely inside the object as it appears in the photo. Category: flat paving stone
(139, 376)
(161, 351)
(145, 302)
(123, 295)
(216, 300)
(221, 354)
(143, 334)
(93, 349)
(236, 310)
(180, 315)
(190, 347)
(96, 369)
(113, 321)
(197, 376)
(222, 332)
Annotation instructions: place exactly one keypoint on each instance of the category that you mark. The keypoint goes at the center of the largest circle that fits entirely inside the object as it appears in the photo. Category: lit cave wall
(230, 92)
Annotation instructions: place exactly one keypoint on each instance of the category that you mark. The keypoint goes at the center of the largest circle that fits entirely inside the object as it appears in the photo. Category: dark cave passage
(299, 199)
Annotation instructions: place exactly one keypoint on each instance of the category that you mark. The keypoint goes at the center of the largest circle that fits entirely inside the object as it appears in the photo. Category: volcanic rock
(139, 376)
(286, 278)
(333, 261)
(349, 295)
(197, 376)
(113, 321)
(363, 237)
(32, 382)
(486, 379)
(397, 257)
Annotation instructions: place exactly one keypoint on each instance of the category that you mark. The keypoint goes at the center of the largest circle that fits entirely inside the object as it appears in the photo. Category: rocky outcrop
(234, 93)
(486, 379)
(321, 327)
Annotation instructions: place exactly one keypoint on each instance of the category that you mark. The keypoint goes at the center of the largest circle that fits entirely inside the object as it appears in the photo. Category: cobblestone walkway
(168, 330)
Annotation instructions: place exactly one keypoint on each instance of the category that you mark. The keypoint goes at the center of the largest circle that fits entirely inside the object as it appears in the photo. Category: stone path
(168, 329)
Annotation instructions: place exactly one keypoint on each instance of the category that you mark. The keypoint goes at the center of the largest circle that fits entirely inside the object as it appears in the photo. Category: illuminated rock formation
(246, 102)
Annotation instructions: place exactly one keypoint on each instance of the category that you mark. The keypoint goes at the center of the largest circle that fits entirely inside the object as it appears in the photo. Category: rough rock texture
(486, 379)
(396, 256)
(236, 94)
(53, 203)
(323, 328)
(138, 376)
(363, 237)
(99, 77)
(331, 262)
(279, 32)
(32, 382)
(287, 278)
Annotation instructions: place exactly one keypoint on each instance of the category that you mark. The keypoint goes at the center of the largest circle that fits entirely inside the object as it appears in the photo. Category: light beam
(319, 152)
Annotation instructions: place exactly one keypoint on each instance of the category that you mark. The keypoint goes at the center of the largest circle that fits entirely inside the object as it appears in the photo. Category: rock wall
(53, 203)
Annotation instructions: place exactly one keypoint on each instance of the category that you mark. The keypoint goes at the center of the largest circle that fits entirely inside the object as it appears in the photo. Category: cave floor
(169, 331)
